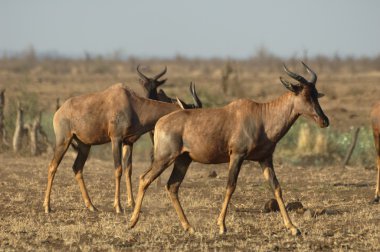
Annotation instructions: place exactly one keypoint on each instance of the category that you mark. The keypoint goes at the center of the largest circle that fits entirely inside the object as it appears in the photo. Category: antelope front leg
(127, 161)
(116, 150)
(377, 193)
(234, 169)
(151, 134)
(270, 176)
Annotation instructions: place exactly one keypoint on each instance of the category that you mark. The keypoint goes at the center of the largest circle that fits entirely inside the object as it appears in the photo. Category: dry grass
(24, 226)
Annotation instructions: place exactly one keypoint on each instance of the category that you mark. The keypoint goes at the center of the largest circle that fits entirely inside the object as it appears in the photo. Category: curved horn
(197, 101)
(313, 75)
(295, 76)
(142, 76)
(160, 74)
(292, 87)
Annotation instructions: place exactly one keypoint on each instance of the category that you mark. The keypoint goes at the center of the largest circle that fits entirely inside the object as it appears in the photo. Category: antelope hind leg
(181, 164)
(60, 150)
(79, 162)
(127, 163)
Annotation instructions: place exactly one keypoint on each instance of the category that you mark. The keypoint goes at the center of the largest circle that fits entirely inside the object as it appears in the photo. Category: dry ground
(353, 225)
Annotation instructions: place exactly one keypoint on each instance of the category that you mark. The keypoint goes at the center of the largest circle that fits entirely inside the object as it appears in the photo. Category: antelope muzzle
(321, 119)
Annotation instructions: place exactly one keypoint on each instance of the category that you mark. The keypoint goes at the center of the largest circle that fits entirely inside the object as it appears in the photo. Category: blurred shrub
(141, 150)
(336, 146)
(30, 105)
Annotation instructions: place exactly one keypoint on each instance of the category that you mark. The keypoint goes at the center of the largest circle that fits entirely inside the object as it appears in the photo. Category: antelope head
(150, 85)
(306, 101)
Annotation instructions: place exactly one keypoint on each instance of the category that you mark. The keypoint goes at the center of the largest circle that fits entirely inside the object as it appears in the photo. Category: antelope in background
(241, 130)
(115, 115)
(375, 120)
(150, 86)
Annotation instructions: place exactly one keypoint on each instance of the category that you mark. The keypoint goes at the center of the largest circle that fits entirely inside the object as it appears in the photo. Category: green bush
(338, 143)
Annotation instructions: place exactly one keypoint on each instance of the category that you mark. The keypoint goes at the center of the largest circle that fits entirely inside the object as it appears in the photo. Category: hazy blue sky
(192, 28)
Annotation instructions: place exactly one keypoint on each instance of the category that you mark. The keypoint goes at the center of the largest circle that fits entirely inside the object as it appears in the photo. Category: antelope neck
(151, 111)
(279, 115)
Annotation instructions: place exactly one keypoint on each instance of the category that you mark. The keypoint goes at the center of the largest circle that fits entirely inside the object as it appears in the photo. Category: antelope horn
(295, 76)
(313, 74)
(197, 101)
(142, 76)
(292, 87)
(160, 74)
(180, 103)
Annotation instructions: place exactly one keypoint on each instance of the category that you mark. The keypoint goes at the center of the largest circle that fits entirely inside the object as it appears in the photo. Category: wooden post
(320, 146)
(355, 134)
(303, 143)
(2, 128)
(19, 130)
(225, 77)
(45, 140)
(33, 133)
(57, 104)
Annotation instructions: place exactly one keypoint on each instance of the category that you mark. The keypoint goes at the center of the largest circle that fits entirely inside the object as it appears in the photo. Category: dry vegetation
(307, 171)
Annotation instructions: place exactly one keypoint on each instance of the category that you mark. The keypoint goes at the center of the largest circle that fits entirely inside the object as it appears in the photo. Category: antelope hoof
(92, 209)
(222, 226)
(295, 231)
(375, 200)
(222, 230)
(47, 209)
(118, 208)
(190, 230)
(132, 222)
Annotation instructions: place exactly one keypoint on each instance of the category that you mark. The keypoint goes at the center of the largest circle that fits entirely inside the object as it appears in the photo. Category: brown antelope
(242, 130)
(115, 115)
(150, 86)
(375, 119)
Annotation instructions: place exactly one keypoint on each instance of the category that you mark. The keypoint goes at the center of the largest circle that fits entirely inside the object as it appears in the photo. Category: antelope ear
(180, 103)
(290, 86)
(320, 95)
